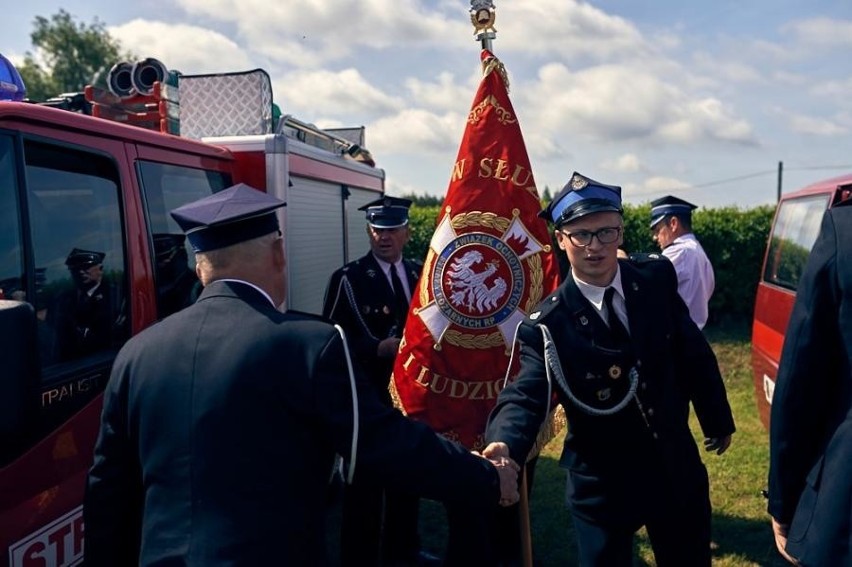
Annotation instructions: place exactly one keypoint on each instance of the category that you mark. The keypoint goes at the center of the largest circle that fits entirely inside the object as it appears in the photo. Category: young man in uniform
(615, 344)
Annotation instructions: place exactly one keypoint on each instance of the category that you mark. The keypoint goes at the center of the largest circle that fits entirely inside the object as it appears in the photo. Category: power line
(743, 177)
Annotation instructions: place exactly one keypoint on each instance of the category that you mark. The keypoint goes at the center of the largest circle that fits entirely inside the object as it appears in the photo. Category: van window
(79, 281)
(793, 235)
(166, 187)
(11, 264)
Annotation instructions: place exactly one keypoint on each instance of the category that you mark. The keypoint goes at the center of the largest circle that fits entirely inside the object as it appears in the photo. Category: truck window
(11, 265)
(80, 287)
(167, 187)
(793, 235)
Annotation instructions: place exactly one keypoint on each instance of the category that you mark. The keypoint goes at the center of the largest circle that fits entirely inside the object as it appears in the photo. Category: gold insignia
(615, 372)
(604, 394)
(578, 182)
(482, 16)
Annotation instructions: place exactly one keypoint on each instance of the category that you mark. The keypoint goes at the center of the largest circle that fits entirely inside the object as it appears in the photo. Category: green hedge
(734, 239)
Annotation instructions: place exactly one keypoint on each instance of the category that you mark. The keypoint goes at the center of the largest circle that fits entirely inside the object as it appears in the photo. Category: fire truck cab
(71, 181)
(794, 231)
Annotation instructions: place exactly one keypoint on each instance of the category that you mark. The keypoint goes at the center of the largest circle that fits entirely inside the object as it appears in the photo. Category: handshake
(507, 469)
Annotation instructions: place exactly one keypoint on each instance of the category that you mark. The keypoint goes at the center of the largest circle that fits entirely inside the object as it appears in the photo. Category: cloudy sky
(701, 99)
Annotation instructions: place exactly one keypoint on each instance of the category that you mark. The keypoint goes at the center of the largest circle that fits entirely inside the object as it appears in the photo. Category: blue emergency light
(11, 84)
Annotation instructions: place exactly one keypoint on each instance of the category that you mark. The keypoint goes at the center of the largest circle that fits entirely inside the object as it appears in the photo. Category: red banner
(489, 264)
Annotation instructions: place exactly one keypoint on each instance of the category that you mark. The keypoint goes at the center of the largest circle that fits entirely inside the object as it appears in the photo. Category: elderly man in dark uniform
(617, 347)
(810, 439)
(220, 423)
(369, 298)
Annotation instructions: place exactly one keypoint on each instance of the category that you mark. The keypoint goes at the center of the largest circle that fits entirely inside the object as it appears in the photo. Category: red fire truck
(68, 180)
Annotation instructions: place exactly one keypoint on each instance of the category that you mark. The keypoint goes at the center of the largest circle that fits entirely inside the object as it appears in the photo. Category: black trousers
(678, 526)
(378, 526)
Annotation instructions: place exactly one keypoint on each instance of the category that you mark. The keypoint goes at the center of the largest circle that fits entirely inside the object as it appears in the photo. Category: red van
(794, 231)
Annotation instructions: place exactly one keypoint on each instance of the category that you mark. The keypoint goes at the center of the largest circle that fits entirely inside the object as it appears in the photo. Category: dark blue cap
(387, 212)
(582, 196)
(669, 205)
(231, 216)
(79, 259)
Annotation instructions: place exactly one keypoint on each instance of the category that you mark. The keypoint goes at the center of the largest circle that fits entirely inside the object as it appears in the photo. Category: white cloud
(619, 102)
(343, 95)
(822, 32)
(308, 32)
(445, 94)
(816, 126)
(190, 49)
(628, 163)
(568, 30)
(417, 130)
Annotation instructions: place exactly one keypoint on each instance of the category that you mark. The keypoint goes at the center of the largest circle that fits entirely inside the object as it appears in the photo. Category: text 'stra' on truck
(74, 187)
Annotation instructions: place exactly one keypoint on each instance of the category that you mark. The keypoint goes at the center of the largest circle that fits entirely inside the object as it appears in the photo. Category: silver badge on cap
(578, 183)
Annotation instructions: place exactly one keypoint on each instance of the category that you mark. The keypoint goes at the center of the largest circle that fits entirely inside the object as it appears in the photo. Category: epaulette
(543, 309)
(645, 257)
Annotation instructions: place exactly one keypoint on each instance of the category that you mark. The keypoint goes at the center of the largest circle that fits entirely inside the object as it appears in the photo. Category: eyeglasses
(605, 235)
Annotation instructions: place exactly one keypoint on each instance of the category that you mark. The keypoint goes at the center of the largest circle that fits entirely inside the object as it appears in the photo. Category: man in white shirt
(671, 223)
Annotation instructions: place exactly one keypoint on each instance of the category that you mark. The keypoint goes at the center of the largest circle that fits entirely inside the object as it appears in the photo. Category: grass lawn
(741, 532)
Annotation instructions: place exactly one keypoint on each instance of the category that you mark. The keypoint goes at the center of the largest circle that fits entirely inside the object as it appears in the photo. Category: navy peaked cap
(81, 259)
(231, 216)
(582, 196)
(387, 212)
(669, 205)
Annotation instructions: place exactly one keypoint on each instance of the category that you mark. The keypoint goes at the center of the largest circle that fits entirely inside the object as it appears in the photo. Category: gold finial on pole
(482, 16)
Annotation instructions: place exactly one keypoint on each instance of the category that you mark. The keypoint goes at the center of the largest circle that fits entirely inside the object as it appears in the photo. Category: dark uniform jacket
(219, 429)
(810, 474)
(359, 297)
(619, 464)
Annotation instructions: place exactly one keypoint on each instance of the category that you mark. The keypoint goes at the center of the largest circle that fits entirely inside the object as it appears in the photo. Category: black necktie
(400, 299)
(616, 327)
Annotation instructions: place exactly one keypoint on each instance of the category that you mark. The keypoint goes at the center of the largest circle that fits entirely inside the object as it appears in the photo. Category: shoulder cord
(356, 419)
(554, 367)
(350, 295)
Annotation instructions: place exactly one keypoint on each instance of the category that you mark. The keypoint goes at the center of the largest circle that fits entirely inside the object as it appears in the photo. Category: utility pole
(780, 174)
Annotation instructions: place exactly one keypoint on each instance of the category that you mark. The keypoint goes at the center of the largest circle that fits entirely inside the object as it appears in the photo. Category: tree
(73, 55)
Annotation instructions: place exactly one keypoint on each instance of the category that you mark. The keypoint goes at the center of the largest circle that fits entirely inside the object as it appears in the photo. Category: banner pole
(524, 511)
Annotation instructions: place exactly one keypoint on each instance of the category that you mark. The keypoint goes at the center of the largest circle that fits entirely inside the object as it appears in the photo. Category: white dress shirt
(695, 279)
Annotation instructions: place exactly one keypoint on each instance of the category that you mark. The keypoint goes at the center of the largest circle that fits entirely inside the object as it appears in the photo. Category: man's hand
(780, 531)
(498, 454)
(496, 449)
(718, 444)
(388, 347)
